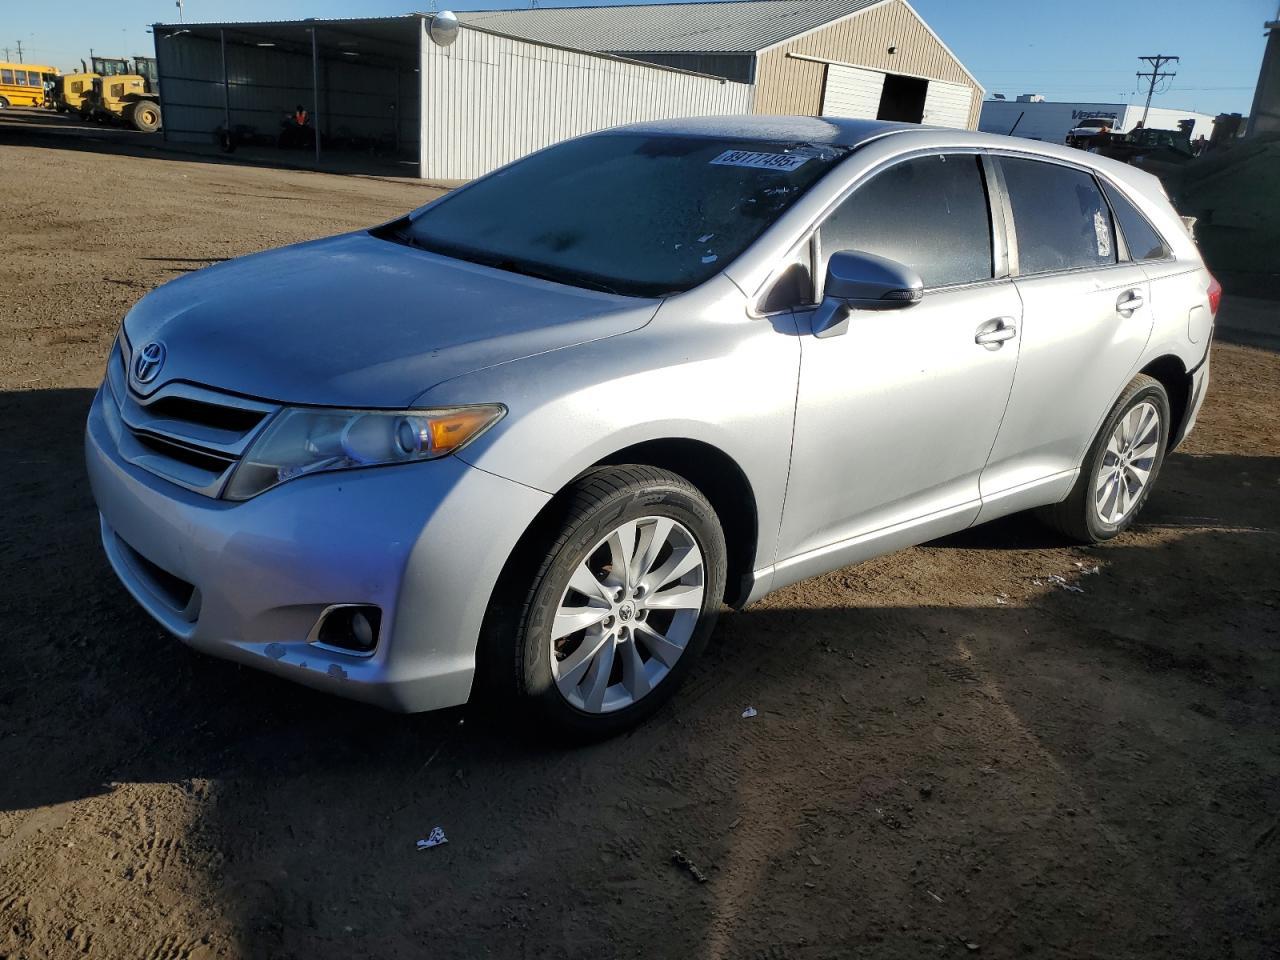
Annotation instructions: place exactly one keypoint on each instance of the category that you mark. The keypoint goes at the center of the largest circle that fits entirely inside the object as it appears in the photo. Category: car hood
(358, 321)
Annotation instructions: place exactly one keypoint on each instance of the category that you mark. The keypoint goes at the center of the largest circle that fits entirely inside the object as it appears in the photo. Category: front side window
(632, 213)
(33, 79)
(930, 213)
(1059, 216)
(1140, 236)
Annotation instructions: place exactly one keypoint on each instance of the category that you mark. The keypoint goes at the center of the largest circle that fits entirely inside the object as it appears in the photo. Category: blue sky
(1078, 50)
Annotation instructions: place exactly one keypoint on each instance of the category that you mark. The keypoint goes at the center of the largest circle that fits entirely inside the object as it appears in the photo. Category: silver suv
(529, 438)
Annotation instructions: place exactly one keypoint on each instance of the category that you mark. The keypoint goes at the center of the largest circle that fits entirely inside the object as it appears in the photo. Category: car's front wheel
(1120, 468)
(620, 604)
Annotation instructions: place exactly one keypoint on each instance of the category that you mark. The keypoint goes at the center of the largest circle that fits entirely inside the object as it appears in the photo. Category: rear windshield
(635, 214)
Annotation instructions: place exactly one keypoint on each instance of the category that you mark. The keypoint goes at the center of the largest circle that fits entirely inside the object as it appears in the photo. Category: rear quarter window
(1060, 218)
(1142, 239)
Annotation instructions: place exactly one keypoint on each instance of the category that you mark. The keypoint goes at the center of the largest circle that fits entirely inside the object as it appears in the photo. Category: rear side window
(1140, 236)
(1061, 220)
(6, 76)
(930, 213)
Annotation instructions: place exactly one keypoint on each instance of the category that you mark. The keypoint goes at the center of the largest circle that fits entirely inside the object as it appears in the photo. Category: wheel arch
(715, 474)
(1173, 376)
(725, 485)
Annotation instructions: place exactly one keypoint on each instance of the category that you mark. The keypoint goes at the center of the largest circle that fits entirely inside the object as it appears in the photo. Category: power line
(1155, 76)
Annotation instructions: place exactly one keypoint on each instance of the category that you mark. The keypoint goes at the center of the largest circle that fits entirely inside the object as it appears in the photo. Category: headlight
(300, 441)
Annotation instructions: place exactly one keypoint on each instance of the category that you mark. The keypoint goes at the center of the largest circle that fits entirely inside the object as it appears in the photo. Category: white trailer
(1050, 120)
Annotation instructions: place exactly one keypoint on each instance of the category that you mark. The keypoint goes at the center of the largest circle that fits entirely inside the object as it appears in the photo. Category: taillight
(1215, 295)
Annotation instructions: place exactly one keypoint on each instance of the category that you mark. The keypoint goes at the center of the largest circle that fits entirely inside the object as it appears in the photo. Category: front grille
(192, 436)
(183, 454)
(205, 413)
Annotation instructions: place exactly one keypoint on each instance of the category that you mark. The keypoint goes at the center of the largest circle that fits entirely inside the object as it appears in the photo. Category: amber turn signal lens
(450, 430)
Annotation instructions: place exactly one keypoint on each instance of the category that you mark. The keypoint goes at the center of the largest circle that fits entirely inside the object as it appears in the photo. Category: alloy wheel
(1125, 470)
(627, 614)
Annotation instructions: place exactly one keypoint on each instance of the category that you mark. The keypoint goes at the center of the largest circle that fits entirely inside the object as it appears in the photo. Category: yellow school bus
(22, 84)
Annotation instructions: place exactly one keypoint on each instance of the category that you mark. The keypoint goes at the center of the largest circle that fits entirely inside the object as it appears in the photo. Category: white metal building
(384, 86)
(1050, 120)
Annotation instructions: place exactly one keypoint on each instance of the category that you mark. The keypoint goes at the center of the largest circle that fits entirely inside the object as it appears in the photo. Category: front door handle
(995, 332)
(1129, 301)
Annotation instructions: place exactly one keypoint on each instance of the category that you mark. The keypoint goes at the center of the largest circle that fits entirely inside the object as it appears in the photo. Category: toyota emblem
(146, 367)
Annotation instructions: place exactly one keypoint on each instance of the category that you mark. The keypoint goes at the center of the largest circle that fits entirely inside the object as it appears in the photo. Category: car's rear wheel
(621, 603)
(1120, 468)
(4, 104)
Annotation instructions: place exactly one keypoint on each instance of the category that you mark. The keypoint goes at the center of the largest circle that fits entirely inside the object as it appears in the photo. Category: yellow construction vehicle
(71, 90)
(127, 99)
(122, 92)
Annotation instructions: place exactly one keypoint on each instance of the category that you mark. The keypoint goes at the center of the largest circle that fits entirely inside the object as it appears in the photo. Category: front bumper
(248, 581)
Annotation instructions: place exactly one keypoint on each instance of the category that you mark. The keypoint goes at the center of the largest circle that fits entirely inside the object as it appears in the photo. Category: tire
(652, 648)
(1091, 514)
(4, 104)
(145, 116)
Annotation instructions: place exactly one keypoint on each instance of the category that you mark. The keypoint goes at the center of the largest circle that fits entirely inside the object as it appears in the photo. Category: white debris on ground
(748, 713)
(434, 839)
(1058, 581)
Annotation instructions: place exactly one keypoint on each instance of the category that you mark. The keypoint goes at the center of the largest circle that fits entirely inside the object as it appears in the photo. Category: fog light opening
(349, 627)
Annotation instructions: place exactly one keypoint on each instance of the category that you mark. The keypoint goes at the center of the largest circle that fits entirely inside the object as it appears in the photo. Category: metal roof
(723, 26)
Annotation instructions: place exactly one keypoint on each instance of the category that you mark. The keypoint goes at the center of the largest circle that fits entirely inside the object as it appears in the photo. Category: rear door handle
(995, 332)
(1129, 301)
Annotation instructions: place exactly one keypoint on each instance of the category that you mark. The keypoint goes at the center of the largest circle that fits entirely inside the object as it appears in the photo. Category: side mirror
(863, 281)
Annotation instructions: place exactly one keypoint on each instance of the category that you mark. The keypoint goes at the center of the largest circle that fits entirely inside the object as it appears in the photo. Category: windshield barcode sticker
(763, 161)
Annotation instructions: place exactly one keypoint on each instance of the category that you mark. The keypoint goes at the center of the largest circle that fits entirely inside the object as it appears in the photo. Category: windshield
(637, 214)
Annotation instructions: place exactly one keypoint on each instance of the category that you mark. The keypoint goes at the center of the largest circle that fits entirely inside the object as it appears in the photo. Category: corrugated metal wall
(787, 85)
(492, 99)
(359, 104)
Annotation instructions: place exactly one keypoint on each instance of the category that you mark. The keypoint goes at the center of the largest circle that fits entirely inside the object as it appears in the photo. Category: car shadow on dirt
(1061, 774)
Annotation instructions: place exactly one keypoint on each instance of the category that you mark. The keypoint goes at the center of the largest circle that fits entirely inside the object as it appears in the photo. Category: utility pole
(1154, 76)
(178, 4)
(20, 51)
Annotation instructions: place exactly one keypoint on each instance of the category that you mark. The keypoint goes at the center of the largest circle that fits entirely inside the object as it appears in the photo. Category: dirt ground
(952, 755)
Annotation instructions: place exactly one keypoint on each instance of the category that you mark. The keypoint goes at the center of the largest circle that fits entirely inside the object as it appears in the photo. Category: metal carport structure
(357, 77)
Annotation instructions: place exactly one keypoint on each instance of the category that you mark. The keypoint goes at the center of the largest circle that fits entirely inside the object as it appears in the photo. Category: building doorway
(902, 98)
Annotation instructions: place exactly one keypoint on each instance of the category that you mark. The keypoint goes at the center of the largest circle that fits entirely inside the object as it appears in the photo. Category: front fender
(708, 373)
